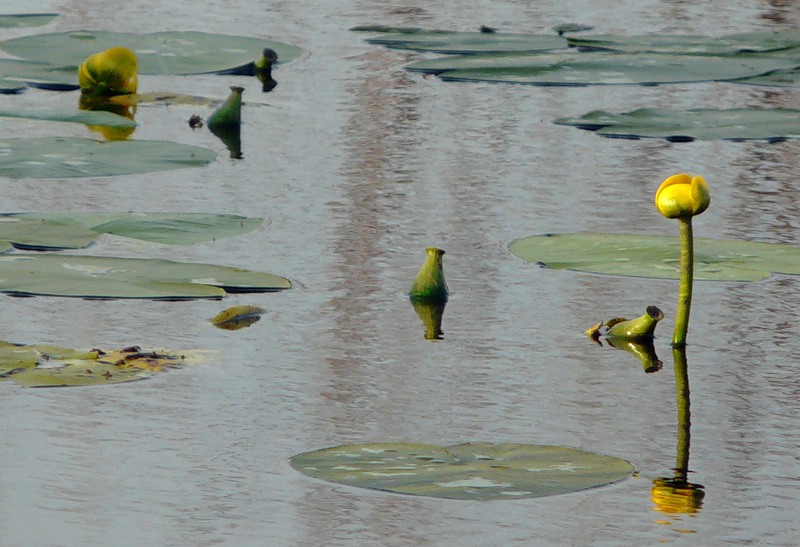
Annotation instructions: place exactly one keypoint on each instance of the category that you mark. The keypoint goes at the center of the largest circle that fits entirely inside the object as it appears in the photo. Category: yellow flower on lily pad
(682, 195)
(110, 72)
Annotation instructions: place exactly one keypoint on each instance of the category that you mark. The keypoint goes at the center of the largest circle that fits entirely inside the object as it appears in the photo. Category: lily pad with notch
(656, 256)
(179, 52)
(471, 471)
(443, 41)
(683, 44)
(165, 228)
(737, 124)
(95, 277)
(87, 117)
(598, 68)
(64, 157)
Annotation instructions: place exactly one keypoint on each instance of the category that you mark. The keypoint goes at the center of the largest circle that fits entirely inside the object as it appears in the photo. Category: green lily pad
(17, 74)
(771, 124)
(61, 157)
(109, 277)
(442, 41)
(187, 52)
(43, 235)
(777, 78)
(165, 228)
(657, 257)
(598, 68)
(58, 231)
(681, 44)
(88, 117)
(26, 20)
(471, 471)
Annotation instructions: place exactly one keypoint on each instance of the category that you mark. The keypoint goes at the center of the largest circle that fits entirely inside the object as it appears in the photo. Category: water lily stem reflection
(687, 278)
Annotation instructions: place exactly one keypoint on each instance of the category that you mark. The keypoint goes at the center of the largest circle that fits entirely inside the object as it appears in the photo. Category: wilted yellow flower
(110, 72)
(682, 195)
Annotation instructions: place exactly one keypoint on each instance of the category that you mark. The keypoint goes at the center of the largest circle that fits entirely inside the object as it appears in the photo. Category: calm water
(357, 167)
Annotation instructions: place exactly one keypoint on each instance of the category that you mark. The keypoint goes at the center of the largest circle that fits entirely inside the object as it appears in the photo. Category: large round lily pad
(166, 228)
(735, 44)
(61, 157)
(598, 68)
(26, 20)
(471, 471)
(654, 256)
(88, 117)
(443, 41)
(771, 124)
(58, 231)
(187, 52)
(43, 235)
(110, 277)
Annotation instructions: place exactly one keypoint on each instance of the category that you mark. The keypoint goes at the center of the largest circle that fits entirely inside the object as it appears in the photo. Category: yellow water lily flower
(110, 72)
(682, 195)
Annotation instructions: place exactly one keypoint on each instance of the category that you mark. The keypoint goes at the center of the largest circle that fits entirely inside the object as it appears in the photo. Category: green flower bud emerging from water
(429, 285)
(230, 113)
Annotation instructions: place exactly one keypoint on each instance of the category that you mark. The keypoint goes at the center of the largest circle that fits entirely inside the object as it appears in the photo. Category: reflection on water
(231, 137)
(431, 315)
(675, 495)
(644, 350)
(87, 102)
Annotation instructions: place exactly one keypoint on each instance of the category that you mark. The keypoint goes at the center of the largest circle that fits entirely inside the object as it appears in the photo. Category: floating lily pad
(88, 117)
(43, 235)
(61, 157)
(187, 52)
(166, 228)
(19, 73)
(771, 124)
(26, 20)
(735, 44)
(654, 256)
(471, 471)
(109, 277)
(52, 231)
(598, 68)
(777, 78)
(53, 366)
(443, 41)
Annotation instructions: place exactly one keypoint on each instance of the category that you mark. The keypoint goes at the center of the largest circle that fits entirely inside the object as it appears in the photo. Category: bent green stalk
(687, 277)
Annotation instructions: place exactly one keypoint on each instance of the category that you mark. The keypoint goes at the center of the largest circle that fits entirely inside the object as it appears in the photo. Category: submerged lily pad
(771, 124)
(657, 257)
(61, 157)
(110, 277)
(471, 471)
(598, 68)
(735, 44)
(443, 41)
(26, 20)
(53, 366)
(237, 317)
(187, 52)
(88, 117)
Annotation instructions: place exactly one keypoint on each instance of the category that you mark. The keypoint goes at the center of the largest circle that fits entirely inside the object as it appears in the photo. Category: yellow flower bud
(682, 195)
(110, 72)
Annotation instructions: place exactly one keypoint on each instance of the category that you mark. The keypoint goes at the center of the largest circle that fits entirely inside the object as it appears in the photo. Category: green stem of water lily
(684, 414)
(687, 276)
